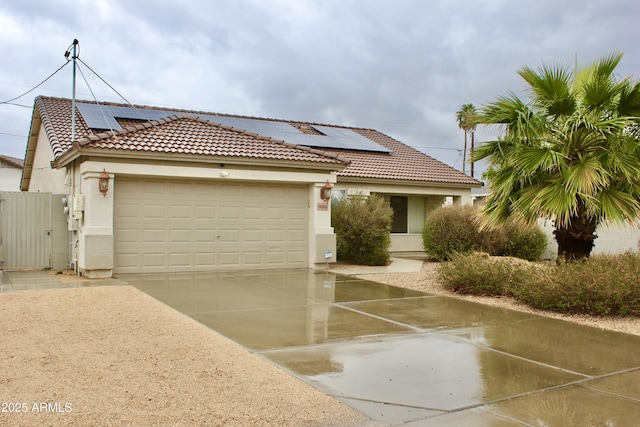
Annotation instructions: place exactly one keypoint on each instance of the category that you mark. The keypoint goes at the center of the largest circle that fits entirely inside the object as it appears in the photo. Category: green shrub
(604, 285)
(454, 229)
(450, 230)
(481, 275)
(526, 242)
(362, 227)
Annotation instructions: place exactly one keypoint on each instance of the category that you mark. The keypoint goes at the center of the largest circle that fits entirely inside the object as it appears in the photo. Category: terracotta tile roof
(177, 134)
(191, 135)
(183, 132)
(405, 163)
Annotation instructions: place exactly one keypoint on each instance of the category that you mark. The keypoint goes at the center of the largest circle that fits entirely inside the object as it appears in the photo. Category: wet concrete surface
(407, 358)
(24, 280)
(403, 357)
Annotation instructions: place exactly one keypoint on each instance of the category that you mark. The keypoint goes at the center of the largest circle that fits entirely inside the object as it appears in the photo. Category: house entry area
(403, 357)
(173, 226)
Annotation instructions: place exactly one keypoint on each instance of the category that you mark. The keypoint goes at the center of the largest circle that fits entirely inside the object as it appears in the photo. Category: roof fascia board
(30, 151)
(75, 153)
(389, 181)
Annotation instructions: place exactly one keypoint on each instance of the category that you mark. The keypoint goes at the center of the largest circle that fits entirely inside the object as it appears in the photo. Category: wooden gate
(33, 231)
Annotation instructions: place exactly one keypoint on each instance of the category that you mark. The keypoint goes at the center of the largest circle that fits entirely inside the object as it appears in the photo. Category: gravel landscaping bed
(425, 281)
(106, 356)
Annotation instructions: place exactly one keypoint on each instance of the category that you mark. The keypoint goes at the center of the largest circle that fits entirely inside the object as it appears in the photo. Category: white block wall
(612, 239)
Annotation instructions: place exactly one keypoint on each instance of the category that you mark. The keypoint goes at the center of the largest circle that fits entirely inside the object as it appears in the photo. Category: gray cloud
(403, 67)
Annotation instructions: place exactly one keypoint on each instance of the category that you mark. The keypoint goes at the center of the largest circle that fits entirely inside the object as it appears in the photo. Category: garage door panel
(203, 235)
(154, 235)
(296, 257)
(252, 236)
(229, 236)
(151, 260)
(205, 260)
(180, 236)
(277, 213)
(181, 211)
(275, 236)
(230, 259)
(297, 214)
(230, 212)
(252, 213)
(253, 259)
(126, 210)
(162, 225)
(297, 236)
(153, 211)
(180, 259)
(204, 212)
(276, 258)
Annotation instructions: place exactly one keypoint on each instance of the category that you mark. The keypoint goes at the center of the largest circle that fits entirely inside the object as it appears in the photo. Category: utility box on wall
(325, 244)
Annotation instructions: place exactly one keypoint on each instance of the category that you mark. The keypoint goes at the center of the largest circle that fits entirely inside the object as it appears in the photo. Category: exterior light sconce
(103, 182)
(325, 192)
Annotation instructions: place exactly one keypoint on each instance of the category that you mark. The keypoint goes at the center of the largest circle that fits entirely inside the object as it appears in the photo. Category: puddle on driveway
(425, 370)
(401, 356)
(296, 326)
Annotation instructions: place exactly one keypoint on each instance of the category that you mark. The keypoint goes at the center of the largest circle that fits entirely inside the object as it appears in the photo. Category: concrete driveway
(407, 358)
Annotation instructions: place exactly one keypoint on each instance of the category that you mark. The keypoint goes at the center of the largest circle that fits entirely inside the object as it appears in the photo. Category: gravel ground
(425, 281)
(113, 356)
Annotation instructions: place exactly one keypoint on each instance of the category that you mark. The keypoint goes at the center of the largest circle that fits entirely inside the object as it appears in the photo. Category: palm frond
(629, 102)
(618, 205)
(586, 176)
(551, 87)
(540, 159)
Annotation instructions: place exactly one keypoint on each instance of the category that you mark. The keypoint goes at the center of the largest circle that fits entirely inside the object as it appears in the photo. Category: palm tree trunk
(471, 151)
(464, 153)
(575, 241)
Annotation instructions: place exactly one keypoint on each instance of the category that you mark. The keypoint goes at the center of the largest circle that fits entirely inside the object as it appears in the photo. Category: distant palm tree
(467, 119)
(571, 154)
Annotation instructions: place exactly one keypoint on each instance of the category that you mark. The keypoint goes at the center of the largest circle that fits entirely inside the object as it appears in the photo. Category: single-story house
(163, 190)
(10, 173)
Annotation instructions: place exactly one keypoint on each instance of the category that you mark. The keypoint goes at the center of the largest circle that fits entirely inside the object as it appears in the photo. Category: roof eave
(389, 181)
(77, 151)
(30, 151)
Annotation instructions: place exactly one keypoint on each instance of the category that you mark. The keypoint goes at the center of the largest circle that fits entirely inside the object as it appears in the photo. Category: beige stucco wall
(43, 178)
(9, 177)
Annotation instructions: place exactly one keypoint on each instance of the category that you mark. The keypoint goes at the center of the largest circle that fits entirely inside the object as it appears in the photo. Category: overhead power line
(9, 101)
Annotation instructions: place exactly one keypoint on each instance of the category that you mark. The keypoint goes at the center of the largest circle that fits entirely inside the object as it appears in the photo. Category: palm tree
(467, 119)
(570, 154)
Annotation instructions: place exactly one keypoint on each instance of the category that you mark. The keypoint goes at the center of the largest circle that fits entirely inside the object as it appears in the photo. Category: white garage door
(164, 226)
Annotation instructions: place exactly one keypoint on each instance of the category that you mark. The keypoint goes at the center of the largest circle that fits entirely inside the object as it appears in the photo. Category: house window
(400, 214)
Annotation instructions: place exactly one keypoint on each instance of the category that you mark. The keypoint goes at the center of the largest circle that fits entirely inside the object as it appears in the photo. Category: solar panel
(104, 117)
(97, 116)
(350, 139)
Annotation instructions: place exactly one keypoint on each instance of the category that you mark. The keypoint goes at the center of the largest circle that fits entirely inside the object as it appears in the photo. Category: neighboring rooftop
(366, 153)
(12, 161)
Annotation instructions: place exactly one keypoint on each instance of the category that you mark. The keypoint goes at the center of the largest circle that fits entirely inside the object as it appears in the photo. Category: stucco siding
(44, 179)
(9, 178)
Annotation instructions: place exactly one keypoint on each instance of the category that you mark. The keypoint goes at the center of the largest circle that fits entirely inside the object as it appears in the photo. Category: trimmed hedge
(362, 226)
(455, 230)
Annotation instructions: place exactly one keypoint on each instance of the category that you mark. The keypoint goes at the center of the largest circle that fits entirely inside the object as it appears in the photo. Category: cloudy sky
(403, 67)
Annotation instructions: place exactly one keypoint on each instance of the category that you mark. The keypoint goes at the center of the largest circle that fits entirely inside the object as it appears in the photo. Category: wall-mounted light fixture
(325, 192)
(103, 182)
